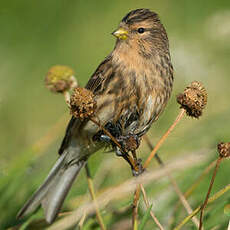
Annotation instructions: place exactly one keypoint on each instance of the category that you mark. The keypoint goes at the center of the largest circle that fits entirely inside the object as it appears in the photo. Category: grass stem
(93, 196)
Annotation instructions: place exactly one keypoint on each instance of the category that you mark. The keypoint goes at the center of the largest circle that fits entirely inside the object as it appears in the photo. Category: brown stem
(82, 220)
(191, 189)
(209, 191)
(151, 147)
(163, 138)
(175, 186)
(130, 159)
(199, 179)
(67, 97)
(135, 207)
(151, 212)
(133, 165)
(152, 154)
(210, 200)
(107, 133)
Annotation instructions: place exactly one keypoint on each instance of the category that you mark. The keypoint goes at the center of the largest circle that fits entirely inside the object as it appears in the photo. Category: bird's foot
(128, 143)
(139, 168)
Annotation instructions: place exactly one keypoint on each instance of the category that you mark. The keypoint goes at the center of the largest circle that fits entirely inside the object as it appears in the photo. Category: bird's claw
(139, 169)
(128, 143)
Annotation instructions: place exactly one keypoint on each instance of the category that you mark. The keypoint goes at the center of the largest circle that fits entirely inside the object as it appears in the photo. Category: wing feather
(95, 84)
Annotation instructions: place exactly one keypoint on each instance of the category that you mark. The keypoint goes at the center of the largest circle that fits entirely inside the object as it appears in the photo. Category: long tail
(52, 192)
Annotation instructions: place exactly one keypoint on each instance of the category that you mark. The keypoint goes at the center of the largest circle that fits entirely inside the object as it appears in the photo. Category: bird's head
(141, 29)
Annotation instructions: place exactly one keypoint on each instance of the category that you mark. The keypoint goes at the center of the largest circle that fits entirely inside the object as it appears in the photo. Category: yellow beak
(121, 33)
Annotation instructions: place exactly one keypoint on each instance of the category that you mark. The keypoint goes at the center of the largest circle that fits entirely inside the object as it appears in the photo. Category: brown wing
(95, 84)
(103, 71)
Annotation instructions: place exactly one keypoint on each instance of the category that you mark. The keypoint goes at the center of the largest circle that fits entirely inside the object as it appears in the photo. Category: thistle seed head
(224, 149)
(193, 99)
(60, 78)
(82, 103)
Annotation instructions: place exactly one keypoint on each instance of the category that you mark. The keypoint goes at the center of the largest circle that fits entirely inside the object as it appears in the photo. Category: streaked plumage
(131, 86)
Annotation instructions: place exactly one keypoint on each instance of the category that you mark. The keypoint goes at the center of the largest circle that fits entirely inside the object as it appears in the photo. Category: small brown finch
(131, 86)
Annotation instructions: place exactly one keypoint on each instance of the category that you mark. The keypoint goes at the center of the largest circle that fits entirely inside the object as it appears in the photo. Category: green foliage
(145, 219)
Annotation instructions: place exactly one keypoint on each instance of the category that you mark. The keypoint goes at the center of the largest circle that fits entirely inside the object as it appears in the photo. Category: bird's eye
(141, 30)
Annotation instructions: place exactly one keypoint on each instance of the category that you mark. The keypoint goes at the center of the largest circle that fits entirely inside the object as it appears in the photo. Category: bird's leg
(121, 153)
(130, 143)
(124, 145)
(140, 168)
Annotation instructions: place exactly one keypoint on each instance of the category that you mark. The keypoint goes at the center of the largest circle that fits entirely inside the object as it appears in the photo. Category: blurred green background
(34, 35)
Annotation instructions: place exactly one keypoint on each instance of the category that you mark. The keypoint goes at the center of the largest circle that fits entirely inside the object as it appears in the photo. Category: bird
(131, 88)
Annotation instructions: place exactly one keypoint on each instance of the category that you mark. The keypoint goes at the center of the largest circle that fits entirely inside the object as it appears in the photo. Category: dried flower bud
(60, 78)
(193, 99)
(224, 149)
(82, 103)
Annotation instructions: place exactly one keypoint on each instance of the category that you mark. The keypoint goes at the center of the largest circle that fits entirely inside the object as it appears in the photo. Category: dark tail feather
(54, 189)
(55, 197)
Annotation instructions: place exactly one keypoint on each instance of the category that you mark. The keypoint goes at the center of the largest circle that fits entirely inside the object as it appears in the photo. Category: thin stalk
(135, 207)
(82, 220)
(67, 97)
(210, 200)
(209, 191)
(174, 184)
(193, 187)
(115, 141)
(157, 222)
(199, 179)
(152, 154)
(163, 138)
(93, 196)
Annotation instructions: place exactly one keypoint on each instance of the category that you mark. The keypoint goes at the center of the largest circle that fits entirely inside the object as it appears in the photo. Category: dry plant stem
(210, 200)
(199, 179)
(116, 193)
(115, 141)
(196, 183)
(175, 186)
(67, 97)
(82, 220)
(135, 207)
(183, 200)
(152, 154)
(229, 225)
(151, 212)
(136, 198)
(92, 193)
(151, 147)
(209, 191)
(163, 138)
(106, 132)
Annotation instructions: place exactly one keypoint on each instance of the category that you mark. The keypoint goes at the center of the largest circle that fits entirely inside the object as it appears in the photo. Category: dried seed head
(193, 99)
(82, 103)
(60, 78)
(224, 149)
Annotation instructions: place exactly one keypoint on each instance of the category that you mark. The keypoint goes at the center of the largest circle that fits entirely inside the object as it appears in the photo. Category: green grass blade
(145, 218)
